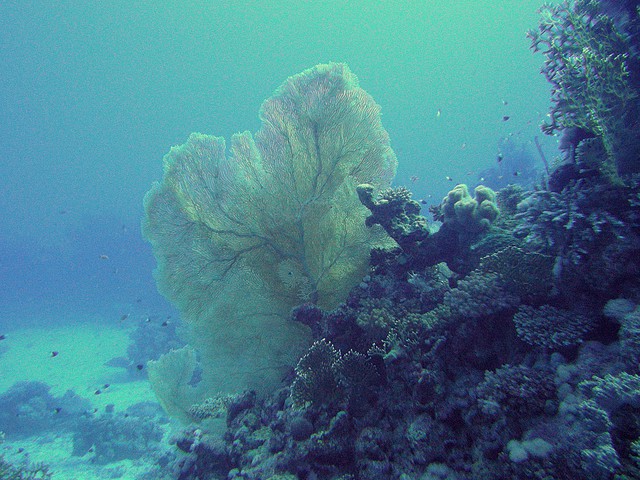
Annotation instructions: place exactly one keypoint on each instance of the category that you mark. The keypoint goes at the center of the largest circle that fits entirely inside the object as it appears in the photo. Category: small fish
(482, 179)
(147, 320)
(124, 317)
(139, 366)
(62, 212)
(504, 102)
(413, 179)
(516, 173)
(97, 392)
(104, 257)
(106, 385)
(438, 113)
(20, 450)
(3, 337)
(463, 146)
(165, 323)
(505, 118)
(54, 353)
(499, 157)
(57, 409)
(449, 178)
(90, 450)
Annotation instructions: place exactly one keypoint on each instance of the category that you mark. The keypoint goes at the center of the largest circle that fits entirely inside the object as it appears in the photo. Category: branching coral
(629, 335)
(516, 390)
(550, 327)
(397, 213)
(573, 222)
(479, 294)
(605, 423)
(316, 379)
(613, 391)
(23, 472)
(527, 274)
(587, 64)
(324, 375)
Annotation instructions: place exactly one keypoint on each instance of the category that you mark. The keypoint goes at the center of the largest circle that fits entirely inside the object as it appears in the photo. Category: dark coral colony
(501, 340)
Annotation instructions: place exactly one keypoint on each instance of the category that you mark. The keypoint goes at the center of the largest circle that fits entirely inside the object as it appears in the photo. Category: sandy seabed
(79, 365)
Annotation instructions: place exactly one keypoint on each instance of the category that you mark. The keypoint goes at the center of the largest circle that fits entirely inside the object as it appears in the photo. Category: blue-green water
(93, 94)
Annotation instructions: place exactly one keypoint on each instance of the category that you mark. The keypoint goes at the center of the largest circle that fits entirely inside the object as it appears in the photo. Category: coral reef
(324, 376)
(516, 390)
(506, 369)
(28, 408)
(212, 407)
(525, 273)
(29, 413)
(23, 472)
(112, 436)
(590, 228)
(479, 294)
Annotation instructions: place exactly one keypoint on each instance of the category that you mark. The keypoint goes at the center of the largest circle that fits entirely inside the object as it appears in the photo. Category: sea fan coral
(240, 240)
